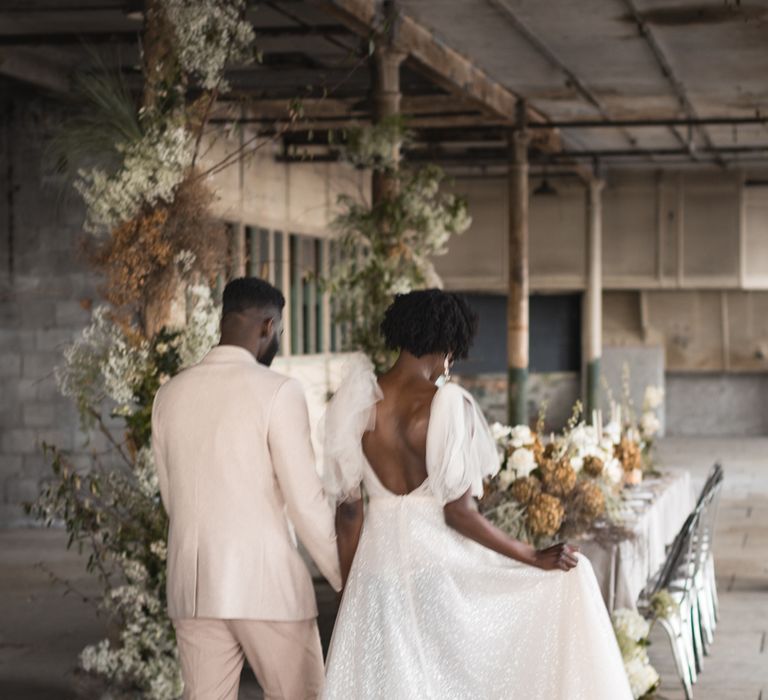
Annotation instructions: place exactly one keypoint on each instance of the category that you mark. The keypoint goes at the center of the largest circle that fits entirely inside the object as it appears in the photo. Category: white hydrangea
(521, 436)
(642, 676)
(152, 169)
(522, 461)
(209, 35)
(631, 623)
(632, 632)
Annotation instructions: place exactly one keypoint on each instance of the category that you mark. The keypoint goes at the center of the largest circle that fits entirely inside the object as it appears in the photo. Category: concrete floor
(42, 627)
(737, 668)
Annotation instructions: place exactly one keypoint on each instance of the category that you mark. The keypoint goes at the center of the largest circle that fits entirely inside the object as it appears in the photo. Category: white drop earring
(447, 373)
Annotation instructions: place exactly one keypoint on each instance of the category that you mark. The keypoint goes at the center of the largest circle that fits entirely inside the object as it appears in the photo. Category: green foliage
(105, 117)
(164, 362)
(384, 249)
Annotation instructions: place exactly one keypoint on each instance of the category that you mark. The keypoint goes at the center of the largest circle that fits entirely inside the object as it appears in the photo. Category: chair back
(679, 551)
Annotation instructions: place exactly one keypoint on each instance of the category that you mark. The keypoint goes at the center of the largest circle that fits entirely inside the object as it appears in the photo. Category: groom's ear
(267, 327)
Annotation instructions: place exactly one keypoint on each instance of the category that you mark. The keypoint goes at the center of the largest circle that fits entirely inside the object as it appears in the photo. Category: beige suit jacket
(231, 441)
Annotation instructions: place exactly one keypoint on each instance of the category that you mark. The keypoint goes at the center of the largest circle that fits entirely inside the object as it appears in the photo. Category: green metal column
(517, 299)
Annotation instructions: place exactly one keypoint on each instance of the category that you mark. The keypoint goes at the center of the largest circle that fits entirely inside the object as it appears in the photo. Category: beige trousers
(286, 658)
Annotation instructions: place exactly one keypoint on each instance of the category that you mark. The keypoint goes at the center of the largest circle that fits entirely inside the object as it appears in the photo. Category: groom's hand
(559, 556)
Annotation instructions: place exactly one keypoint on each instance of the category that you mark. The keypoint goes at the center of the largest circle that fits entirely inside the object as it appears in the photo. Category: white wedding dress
(429, 614)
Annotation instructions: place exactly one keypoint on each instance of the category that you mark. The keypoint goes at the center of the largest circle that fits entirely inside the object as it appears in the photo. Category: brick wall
(44, 294)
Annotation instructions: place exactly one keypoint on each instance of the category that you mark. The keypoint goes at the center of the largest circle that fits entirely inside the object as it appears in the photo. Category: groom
(231, 441)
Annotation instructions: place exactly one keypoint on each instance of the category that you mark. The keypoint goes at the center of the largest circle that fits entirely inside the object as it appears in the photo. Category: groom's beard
(271, 351)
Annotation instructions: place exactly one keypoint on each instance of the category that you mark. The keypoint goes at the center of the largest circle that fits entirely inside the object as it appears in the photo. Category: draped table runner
(656, 510)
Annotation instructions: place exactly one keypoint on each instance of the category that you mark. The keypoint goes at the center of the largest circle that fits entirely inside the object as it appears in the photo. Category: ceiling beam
(652, 123)
(302, 30)
(571, 77)
(69, 38)
(34, 69)
(667, 71)
(444, 65)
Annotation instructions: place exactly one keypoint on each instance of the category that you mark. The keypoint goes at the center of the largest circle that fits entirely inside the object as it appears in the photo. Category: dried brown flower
(593, 465)
(629, 454)
(137, 259)
(525, 489)
(545, 515)
(549, 450)
(585, 504)
(560, 480)
(547, 464)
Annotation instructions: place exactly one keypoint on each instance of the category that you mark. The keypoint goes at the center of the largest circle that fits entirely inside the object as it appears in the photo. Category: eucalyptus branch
(67, 584)
(106, 432)
(206, 116)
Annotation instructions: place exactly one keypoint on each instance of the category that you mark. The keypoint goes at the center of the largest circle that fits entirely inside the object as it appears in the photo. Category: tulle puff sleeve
(461, 451)
(350, 413)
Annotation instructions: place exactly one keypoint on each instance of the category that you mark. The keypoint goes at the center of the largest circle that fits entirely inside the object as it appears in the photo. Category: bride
(438, 603)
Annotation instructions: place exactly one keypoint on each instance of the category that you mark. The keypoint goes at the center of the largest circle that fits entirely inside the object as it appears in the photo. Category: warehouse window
(295, 263)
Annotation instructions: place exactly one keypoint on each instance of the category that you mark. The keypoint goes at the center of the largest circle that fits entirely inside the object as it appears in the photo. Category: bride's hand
(558, 556)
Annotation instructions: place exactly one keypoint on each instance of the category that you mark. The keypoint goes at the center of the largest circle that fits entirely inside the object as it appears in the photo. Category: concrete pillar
(593, 317)
(517, 300)
(386, 106)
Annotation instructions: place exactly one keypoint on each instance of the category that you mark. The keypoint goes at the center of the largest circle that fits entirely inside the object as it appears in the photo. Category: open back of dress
(428, 613)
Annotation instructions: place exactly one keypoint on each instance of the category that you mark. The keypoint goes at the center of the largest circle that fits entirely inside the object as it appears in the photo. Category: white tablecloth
(623, 568)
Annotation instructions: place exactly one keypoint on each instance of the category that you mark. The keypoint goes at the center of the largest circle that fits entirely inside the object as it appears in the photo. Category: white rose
(521, 436)
(500, 431)
(654, 396)
(612, 431)
(522, 461)
(583, 437)
(506, 477)
(614, 471)
(649, 424)
(577, 463)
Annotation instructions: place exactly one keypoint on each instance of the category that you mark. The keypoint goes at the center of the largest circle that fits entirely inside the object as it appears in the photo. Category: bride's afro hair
(429, 322)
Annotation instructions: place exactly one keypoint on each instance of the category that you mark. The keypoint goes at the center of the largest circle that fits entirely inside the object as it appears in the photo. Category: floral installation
(632, 631)
(385, 248)
(113, 508)
(209, 35)
(152, 237)
(152, 168)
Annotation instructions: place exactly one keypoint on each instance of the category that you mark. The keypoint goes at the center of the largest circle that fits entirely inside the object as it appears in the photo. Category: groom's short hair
(246, 293)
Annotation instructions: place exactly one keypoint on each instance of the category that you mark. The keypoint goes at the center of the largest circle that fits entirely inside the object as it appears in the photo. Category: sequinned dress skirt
(428, 614)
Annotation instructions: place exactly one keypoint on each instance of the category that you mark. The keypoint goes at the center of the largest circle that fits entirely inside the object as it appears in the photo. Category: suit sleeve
(158, 453)
(293, 459)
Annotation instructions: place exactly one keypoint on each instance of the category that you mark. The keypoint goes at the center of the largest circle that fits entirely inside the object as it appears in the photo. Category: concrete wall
(685, 259)
(717, 404)
(45, 291)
